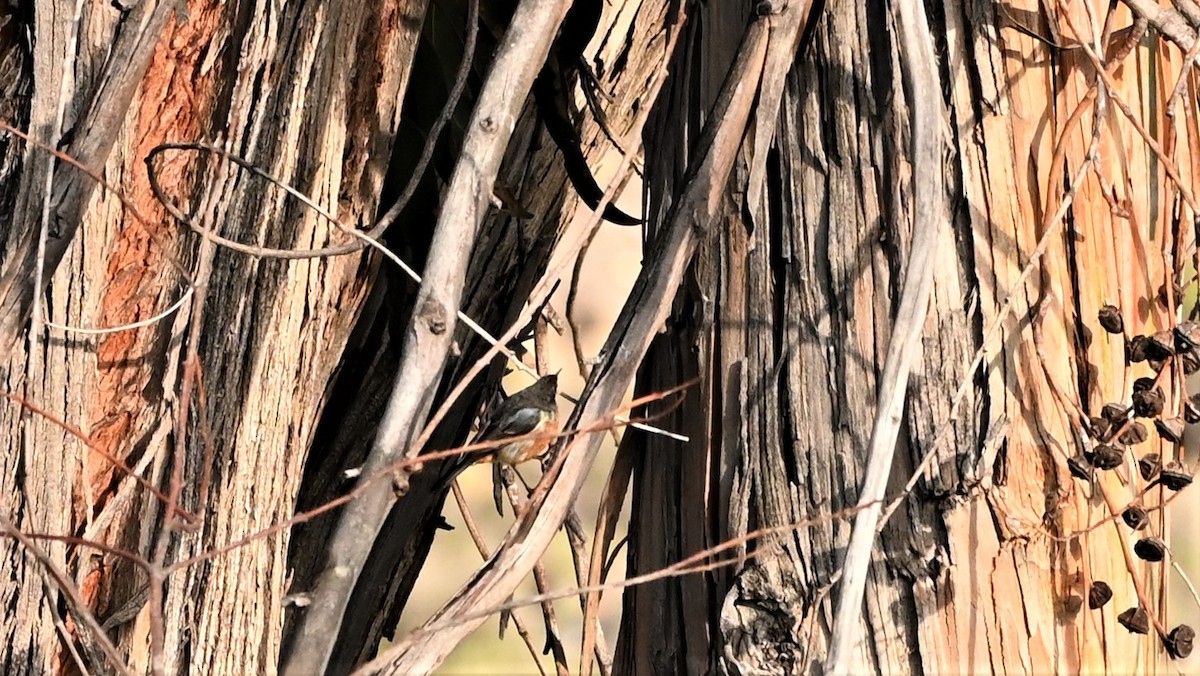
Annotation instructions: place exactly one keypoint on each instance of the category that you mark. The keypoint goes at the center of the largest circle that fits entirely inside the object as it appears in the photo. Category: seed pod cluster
(1135, 517)
(1135, 349)
(1148, 403)
(1114, 414)
(1160, 346)
(1115, 429)
(1135, 433)
(1107, 457)
(1164, 299)
(1149, 466)
(1080, 467)
(1118, 427)
(1170, 429)
(1191, 409)
(1175, 476)
(1150, 549)
(1111, 319)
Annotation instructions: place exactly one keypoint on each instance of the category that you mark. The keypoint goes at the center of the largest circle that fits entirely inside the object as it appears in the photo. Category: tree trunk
(311, 96)
(255, 398)
(786, 320)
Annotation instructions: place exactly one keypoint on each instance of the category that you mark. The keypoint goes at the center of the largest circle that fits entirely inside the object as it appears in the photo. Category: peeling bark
(785, 317)
(787, 320)
(285, 91)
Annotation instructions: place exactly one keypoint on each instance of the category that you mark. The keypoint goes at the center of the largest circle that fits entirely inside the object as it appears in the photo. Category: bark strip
(647, 307)
(918, 61)
(429, 338)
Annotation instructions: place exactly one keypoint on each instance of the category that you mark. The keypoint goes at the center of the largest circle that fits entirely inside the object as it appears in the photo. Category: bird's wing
(523, 421)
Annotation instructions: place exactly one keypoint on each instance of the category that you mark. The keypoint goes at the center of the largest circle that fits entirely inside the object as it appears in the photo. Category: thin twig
(1186, 580)
(149, 321)
(615, 489)
(99, 546)
(1189, 62)
(63, 582)
(927, 117)
(553, 640)
(577, 539)
(485, 552)
(69, 641)
(573, 295)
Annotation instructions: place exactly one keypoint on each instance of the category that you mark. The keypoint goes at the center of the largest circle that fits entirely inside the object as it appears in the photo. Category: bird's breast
(528, 449)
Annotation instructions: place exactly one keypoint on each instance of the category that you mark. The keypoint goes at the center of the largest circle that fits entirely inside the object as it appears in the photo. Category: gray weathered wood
(428, 340)
(926, 120)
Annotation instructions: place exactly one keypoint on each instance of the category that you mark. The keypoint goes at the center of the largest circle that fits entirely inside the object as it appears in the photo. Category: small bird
(530, 410)
(533, 409)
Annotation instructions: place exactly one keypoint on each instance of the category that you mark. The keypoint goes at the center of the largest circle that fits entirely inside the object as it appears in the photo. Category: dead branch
(430, 332)
(927, 119)
(644, 312)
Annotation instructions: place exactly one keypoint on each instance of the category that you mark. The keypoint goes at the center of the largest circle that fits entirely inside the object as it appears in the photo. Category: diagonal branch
(429, 338)
(644, 313)
(926, 117)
